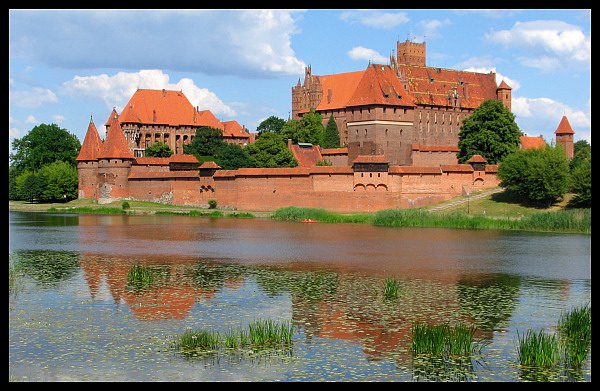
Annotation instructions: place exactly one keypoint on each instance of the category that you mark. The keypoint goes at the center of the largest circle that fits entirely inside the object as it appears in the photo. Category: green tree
(60, 182)
(270, 150)
(581, 183)
(207, 142)
(158, 149)
(331, 137)
(232, 157)
(31, 186)
(582, 150)
(272, 124)
(44, 144)
(491, 131)
(540, 174)
(309, 129)
(13, 189)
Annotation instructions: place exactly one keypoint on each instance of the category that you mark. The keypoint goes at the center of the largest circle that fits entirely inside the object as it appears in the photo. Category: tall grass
(201, 341)
(292, 213)
(88, 210)
(266, 332)
(139, 277)
(391, 289)
(538, 349)
(575, 330)
(12, 276)
(443, 340)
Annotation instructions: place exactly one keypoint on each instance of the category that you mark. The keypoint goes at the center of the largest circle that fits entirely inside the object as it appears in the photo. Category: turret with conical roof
(564, 137)
(504, 94)
(87, 162)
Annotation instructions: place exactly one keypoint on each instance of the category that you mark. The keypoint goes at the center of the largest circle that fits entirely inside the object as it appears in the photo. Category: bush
(125, 205)
(212, 204)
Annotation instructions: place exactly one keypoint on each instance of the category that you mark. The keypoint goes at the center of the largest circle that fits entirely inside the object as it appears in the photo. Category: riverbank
(492, 210)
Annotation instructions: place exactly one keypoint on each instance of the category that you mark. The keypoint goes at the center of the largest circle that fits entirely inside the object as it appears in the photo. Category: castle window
(379, 175)
(394, 110)
(370, 175)
(362, 174)
(384, 110)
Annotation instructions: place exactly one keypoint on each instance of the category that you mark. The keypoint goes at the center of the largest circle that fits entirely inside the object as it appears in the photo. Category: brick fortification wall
(337, 189)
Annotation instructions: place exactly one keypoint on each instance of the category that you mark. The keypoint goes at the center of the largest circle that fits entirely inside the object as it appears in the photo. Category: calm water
(72, 315)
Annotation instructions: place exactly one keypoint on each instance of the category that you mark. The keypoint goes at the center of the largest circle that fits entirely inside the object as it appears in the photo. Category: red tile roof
(432, 86)
(379, 85)
(504, 86)
(331, 170)
(477, 159)
(414, 170)
(92, 144)
(184, 158)
(159, 107)
(456, 168)
(209, 164)
(115, 146)
(435, 148)
(234, 129)
(306, 156)
(295, 171)
(528, 142)
(207, 118)
(491, 168)
(334, 151)
(370, 159)
(564, 127)
(342, 86)
(152, 161)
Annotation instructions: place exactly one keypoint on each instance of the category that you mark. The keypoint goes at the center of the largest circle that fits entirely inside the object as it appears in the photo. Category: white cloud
(431, 27)
(514, 84)
(58, 118)
(376, 19)
(116, 90)
(561, 43)
(31, 120)
(361, 53)
(31, 98)
(247, 43)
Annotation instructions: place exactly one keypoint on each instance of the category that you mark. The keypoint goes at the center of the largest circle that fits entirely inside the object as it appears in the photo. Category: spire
(115, 145)
(92, 144)
(564, 127)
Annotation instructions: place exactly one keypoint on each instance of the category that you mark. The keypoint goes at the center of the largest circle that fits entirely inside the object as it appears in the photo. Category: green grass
(266, 333)
(443, 340)
(391, 289)
(293, 213)
(539, 350)
(88, 210)
(12, 276)
(575, 330)
(140, 278)
(198, 342)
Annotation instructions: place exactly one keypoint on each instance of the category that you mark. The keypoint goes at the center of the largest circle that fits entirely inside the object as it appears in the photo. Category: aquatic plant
(292, 213)
(139, 277)
(575, 330)
(391, 289)
(198, 342)
(443, 339)
(538, 349)
(266, 333)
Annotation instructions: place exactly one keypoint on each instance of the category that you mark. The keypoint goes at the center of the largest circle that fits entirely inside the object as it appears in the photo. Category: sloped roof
(414, 170)
(342, 86)
(379, 85)
(528, 142)
(306, 156)
(564, 127)
(209, 164)
(164, 174)
(477, 159)
(92, 144)
(504, 86)
(234, 129)
(431, 86)
(152, 161)
(159, 107)
(115, 146)
(334, 151)
(435, 148)
(294, 171)
(207, 118)
(183, 158)
(457, 167)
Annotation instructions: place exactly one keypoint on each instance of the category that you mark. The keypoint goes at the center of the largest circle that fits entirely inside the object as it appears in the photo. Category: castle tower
(87, 163)
(504, 94)
(564, 137)
(114, 163)
(411, 53)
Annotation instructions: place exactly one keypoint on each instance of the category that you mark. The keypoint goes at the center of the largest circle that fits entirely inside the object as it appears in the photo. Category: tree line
(43, 167)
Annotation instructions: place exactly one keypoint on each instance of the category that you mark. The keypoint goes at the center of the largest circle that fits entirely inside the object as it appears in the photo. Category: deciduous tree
(158, 149)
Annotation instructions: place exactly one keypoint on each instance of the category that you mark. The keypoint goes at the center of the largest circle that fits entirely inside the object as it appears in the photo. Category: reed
(292, 213)
(391, 289)
(12, 276)
(200, 341)
(88, 210)
(140, 277)
(267, 333)
(443, 340)
(575, 330)
(538, 349)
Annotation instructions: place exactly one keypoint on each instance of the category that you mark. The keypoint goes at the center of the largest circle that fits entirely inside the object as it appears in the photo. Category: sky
(67, 66)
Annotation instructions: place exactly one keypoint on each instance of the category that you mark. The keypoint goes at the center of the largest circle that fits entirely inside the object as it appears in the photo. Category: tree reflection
(45, 266)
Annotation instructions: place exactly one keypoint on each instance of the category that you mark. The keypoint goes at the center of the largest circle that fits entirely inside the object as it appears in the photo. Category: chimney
(164, 92)
(154, 115)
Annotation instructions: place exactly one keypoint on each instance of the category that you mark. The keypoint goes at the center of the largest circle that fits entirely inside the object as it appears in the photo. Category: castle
(406, 111)
(399, 124)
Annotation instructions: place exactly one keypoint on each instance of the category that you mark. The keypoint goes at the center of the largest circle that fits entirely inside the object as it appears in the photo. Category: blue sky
(68, 65)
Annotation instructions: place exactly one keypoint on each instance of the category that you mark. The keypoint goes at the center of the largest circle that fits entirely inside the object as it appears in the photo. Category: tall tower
(504, 94)
(411, 53)
(564, 137)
